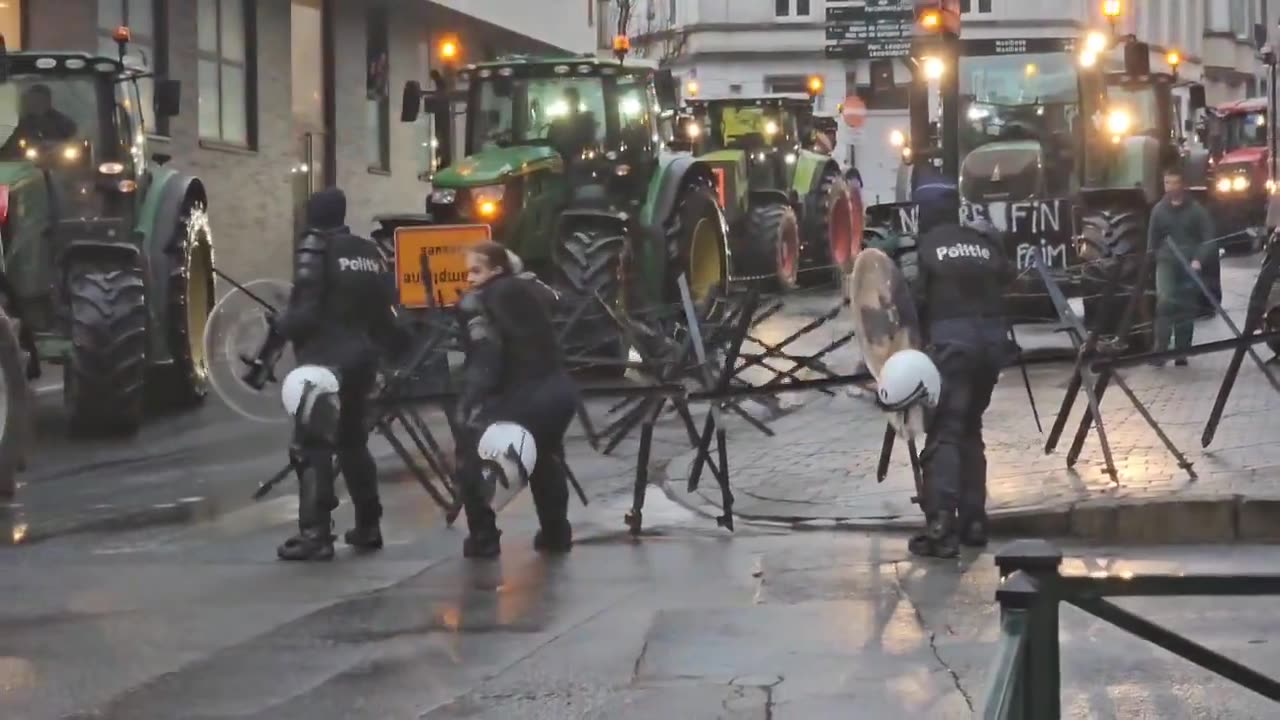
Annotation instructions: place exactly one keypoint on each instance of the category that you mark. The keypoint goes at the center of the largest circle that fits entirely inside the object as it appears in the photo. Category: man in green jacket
(1181, 218)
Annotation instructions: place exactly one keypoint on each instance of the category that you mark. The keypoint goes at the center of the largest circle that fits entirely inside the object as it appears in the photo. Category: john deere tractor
(107, 253)
(567, 163)
(791, 210)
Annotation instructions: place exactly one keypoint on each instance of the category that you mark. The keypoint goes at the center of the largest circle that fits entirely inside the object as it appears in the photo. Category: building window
(146, 47)
(787, 85)
(735, 88)
(377, 91)
(781, 8)
(223, 54)
(880, 91)
(966, 6)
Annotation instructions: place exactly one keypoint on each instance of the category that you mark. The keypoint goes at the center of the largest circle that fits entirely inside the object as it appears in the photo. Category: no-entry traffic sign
(854, 111)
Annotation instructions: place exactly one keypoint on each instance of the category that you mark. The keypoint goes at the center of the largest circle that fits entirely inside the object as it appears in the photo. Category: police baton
(1026, 379)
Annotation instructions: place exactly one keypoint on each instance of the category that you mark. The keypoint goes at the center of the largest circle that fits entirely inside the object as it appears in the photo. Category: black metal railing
(1025, 680)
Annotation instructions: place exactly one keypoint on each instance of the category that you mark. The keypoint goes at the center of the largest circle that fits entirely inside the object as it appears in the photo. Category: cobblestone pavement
(821, 464)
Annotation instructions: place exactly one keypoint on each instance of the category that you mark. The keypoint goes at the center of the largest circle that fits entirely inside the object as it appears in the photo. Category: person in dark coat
(514, 372)
(1179, 217)
(959, 291)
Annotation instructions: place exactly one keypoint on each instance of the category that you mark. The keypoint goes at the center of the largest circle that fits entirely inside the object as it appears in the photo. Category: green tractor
(107, 254)
(567, 162)
(793, 214)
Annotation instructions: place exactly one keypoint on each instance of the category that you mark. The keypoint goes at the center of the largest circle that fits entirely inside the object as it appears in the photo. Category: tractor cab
(1136, 131)
(769, 131)
(73, 159)
(582, 131)
(1019, 114)
(1237, 125)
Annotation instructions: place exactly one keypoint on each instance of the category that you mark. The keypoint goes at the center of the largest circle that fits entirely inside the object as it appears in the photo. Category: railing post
(1018, 596)
(1042, 692)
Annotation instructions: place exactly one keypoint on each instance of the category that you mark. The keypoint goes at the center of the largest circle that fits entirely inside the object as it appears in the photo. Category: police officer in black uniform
(341, 313)
(962, 276)
(514, 372)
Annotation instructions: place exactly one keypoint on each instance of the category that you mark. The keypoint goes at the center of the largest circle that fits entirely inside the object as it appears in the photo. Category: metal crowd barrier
(1025, 679)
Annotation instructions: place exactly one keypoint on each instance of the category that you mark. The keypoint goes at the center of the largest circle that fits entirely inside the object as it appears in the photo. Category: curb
(1155, 521)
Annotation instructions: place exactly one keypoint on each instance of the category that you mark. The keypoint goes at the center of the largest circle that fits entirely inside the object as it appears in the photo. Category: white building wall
(739, 45)
(568, 24)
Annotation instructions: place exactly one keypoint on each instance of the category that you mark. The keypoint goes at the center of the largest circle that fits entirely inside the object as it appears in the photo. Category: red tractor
(1240, 178)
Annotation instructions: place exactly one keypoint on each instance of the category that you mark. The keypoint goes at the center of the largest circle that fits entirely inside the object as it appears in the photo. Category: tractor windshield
(52, 120)
(1140, 105)
(1018, 97)
(745, 126)
(1244, 130)
(564, 112)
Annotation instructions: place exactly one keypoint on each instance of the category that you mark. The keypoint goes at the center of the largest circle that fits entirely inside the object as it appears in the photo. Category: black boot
(314, 540)
(556, 540)
(310, 544)
(939, 540)
(366, 535)
(483, 545)
(973, 532)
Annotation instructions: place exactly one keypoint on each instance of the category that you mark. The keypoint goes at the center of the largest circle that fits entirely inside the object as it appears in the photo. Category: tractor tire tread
(108, 363)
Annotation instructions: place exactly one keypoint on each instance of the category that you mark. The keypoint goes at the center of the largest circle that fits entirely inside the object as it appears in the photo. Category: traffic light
(934, 17)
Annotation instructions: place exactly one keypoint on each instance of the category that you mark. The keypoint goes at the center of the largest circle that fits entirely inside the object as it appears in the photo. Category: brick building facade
(276, 100)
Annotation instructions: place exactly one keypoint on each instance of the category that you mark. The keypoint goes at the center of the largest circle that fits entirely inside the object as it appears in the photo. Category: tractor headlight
(771, 128)
(488, 200)
(1119, 122)
(1240, 183)
(444, 196)
(1223, 185)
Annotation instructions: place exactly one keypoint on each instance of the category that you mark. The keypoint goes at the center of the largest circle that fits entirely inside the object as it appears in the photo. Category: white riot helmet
(507, 451)
(310, 396)
(908, 378)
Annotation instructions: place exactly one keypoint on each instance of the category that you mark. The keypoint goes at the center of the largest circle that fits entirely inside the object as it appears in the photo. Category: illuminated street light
(897, 138)
(1111, 9)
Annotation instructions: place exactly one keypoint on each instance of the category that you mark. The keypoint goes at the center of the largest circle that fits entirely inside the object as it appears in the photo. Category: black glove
(261, 367)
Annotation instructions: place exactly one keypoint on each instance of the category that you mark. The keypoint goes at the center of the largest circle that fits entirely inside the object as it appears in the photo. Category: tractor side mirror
(1197, 97)
(1189, 126)
(1259, 35)
(1137, 58)
(665, 85)
(168, 98)
(411, 101)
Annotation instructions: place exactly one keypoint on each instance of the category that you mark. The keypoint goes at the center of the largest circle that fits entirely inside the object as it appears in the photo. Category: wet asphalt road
(122, 601)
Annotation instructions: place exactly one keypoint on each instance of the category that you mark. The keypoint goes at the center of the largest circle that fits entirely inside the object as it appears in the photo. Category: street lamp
(1111, 10)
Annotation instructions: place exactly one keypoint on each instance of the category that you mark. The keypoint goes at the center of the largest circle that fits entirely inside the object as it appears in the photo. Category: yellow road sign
(445, 247)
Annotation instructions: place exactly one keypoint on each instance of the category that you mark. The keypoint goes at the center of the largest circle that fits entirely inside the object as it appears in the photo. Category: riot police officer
(340, 314)
(962, 276)
(514, 372)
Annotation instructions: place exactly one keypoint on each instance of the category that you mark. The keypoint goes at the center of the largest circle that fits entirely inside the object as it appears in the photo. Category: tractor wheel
(589, 262)
(1113, 242)
(697, 236)
(106, 370)
(191, 299)
(772, 247)
(833, 242)
(15, 407)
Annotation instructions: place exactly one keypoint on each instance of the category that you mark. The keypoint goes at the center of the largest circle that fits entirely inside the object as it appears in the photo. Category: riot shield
(233, 336)
(885, 322)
